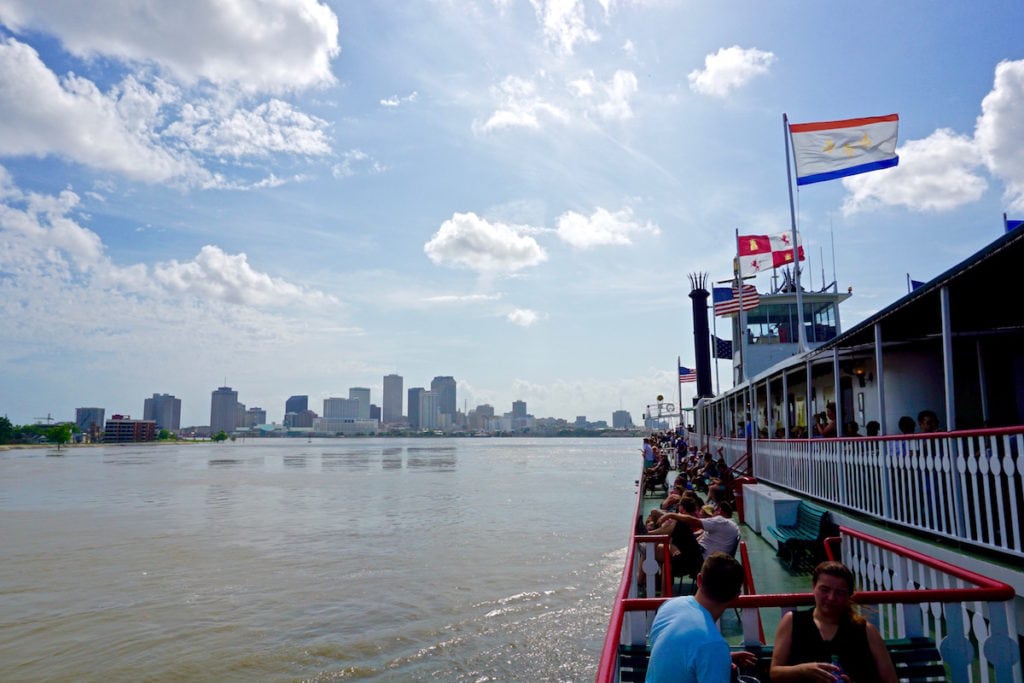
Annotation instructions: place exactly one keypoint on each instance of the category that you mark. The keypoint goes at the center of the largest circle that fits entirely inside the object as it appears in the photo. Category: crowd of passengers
(828, 643)
(826, 427)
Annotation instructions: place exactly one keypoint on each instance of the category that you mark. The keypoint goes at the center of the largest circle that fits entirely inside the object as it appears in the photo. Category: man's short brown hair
(721, 577)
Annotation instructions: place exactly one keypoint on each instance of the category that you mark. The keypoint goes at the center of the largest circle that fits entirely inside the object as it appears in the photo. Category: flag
(687, 375)
(1011, 224)
(727, 301)
(759, 252)
(721, 348)
(914, 284)
(834, 149)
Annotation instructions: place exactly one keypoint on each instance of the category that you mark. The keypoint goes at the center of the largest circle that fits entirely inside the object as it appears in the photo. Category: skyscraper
(342, 408)
(224, 410)
(392, 403)
(444, 387)
(165, 410)
(414, 407)
(296, 404)
(86, 418)
(430, 410)
(362, 394)
(518, 408)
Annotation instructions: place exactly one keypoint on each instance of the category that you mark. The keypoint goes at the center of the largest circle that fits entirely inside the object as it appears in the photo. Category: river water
(287, 560)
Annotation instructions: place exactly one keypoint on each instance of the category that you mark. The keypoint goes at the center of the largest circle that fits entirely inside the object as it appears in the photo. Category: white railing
(966, 486)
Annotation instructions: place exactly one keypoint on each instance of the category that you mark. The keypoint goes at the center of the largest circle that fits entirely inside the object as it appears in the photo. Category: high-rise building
(123, 429)
(361, 394)
(296, 404)
(255, 416)
(444, 387)
(303, 419)
(374, 413)
(392, 404)
(621, 419)
(430, 410)
(414, 407)
(86, 418)
(518, 408)
(165, 410)
(342, 408)
(224, 410)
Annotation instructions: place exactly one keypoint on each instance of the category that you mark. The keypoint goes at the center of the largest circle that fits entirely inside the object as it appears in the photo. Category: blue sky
(299, 197)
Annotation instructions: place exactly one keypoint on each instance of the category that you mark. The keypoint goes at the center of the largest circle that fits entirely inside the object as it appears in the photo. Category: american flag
(721, 348)
(727, 301)
(687, 375)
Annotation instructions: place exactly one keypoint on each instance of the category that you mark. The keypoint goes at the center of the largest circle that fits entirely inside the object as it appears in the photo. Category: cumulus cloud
(1000, 128)
(273, 45)
(602, 228)
(396, 101)
(125, 129)
(564, 23)
(519, 106)
(41, 115)
(468, 241)
(41, 239)
(934, 174)
(728, 69)
(523, 317)
(944, 170)
(271, 127)
(355, 161)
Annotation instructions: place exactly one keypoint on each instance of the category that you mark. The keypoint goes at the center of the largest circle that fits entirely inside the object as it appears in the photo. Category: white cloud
(39, 239)
(462, 298)
(564, 23)
(728, 69)
(468, 241)
(270, 127)
(619, 91)
(520, 106)
(40, 115)
(1000, 129)
(934, 174)
(602, 228)
(395, 100)
(523, 317)
(356, 161)
(272, 45)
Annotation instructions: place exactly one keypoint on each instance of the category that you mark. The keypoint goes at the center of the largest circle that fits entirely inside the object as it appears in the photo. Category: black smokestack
(701, 333)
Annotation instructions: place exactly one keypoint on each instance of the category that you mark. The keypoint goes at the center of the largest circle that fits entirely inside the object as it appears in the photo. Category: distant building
(361, 394)
(621, 419)
(478, 417)
(342, 407)
(444, 388)
(375, 413)
(296, 404)
(391, 408)
(581, 421)
(414, 407)
(165, 410)
(429, 410)
(343, 425)
(90, 420)
(255, 416)
(301, 419)
(518, 408)
(123, 429)
(224, 410)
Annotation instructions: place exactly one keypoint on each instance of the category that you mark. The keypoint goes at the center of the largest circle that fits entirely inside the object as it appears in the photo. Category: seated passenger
(807, 640)
(721, 534)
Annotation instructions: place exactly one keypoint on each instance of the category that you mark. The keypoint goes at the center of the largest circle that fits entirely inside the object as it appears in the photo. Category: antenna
(832, 237)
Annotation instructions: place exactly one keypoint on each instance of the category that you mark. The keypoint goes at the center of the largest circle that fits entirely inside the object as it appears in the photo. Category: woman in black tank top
(830, 640)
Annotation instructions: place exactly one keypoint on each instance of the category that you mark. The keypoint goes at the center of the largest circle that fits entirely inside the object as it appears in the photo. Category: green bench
(804, 540)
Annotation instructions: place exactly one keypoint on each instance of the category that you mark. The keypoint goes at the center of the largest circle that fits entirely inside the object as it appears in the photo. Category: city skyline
(308, 195)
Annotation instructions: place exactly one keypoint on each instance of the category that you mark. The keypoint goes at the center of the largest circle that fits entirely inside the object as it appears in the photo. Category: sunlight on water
(451, 560)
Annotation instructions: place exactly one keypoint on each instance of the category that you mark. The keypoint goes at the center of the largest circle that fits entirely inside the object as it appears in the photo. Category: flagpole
(802, 334)
(679, 385)
(743, 313)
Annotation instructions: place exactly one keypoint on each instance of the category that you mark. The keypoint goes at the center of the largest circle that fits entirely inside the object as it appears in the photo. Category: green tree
(164, 435)
(59, 434)
(6, 430)
(219, 436)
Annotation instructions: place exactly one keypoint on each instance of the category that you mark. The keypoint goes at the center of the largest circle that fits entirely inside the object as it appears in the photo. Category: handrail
(610, 650)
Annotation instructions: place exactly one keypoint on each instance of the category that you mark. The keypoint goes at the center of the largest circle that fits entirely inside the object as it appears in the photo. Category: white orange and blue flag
(687, 375)
(834, 149)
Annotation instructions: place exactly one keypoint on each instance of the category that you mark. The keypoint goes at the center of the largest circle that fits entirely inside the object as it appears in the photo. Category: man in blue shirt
(686, 646)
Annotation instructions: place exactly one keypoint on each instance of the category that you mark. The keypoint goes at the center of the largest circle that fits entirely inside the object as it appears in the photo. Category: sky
(298, 197)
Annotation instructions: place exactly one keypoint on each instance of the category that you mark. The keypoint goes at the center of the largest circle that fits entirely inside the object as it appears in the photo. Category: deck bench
(804, 539)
